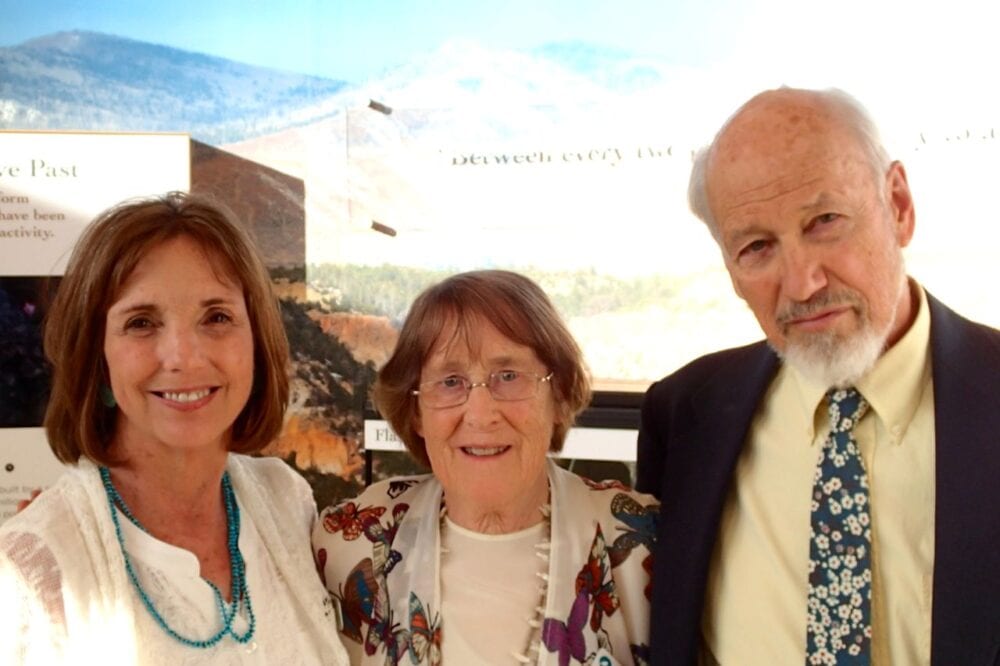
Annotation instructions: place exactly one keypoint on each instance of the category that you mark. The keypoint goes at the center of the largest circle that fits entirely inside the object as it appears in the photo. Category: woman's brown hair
(518, 309)
(76, 421)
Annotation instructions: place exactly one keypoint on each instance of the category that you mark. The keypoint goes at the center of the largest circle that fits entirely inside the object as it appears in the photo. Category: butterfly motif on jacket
(640, 527)
(591, 580)
(384, 633)
(425, 635)
(400, 486)
(357, 598)
(320, 559)
(640, 654)
(381, 536)
(567, 637)
(349, 519)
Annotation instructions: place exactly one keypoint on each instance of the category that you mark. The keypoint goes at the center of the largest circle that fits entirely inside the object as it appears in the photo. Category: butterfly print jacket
(379, 556)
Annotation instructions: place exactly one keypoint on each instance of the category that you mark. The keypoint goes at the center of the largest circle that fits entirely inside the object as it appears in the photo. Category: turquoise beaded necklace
(239, 592)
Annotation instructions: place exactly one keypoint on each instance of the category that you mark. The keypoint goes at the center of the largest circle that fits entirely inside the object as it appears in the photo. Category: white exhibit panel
(53, 183)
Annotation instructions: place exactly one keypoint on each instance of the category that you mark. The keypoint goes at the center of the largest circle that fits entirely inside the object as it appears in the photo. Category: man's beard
(830, 358)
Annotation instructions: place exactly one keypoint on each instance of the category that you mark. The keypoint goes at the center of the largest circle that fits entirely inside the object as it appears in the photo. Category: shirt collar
(892, 388)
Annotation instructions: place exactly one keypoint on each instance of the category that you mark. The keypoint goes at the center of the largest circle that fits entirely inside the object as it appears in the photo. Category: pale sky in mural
(354, 40)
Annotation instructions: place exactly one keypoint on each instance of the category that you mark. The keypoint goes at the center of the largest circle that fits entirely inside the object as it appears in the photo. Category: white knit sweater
(66, 597)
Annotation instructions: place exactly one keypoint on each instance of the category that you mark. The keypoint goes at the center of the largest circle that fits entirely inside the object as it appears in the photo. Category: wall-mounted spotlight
(383, 229)
(379, 106)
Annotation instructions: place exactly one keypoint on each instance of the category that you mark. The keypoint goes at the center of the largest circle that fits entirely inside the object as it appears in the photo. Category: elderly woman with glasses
(499, 556)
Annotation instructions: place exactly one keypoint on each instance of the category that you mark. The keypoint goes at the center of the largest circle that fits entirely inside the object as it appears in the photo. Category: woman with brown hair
(162, 542)
(499, 556)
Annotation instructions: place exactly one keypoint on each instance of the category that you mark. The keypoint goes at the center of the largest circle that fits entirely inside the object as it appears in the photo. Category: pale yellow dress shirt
(755, 608)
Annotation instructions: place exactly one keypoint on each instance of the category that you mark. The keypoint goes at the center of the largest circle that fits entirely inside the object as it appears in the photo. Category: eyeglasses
(505, 386)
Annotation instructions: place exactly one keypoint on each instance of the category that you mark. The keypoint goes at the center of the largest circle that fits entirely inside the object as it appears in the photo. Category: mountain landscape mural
(431, 149)
(92, 81)
(619, 116)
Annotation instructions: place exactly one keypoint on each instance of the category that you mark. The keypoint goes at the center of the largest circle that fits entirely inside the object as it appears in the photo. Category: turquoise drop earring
(107, 397)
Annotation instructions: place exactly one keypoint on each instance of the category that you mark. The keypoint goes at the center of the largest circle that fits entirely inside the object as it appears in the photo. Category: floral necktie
(838, 629)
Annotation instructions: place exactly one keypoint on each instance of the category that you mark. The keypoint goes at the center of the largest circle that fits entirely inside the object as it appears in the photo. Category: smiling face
(179, 351)
(489, 455)
(811, 235)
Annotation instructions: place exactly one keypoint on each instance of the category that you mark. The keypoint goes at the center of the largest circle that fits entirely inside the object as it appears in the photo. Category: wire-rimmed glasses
(503, 385)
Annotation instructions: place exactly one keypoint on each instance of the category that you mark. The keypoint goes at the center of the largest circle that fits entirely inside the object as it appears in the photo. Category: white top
(490, 587)
(67, 597)
(171, 578)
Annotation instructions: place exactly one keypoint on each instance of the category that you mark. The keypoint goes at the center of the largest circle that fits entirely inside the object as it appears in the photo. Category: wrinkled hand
(23, 504)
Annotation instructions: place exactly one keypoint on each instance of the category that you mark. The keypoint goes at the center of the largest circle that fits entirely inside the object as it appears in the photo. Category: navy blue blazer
(694, 425)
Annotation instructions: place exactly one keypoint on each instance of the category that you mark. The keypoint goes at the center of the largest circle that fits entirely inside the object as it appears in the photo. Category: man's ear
(900, 203)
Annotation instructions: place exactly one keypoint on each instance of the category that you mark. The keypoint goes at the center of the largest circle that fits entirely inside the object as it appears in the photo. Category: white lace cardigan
(65, 593)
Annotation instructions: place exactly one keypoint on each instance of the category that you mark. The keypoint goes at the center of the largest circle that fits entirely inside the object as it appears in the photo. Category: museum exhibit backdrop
(376, 149)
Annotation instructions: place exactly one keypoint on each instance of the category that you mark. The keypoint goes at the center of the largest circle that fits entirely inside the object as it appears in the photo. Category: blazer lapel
(698, 473)
(965, 366)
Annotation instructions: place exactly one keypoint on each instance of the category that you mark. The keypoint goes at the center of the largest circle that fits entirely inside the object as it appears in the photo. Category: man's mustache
(819, 302)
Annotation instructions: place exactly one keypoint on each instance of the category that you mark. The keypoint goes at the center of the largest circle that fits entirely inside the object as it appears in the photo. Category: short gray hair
(850, 110)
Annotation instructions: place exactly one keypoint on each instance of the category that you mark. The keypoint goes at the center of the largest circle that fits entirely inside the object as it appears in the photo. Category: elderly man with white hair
(829, 495)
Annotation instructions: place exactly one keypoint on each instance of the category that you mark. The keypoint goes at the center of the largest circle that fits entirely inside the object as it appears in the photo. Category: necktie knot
(846, 407)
